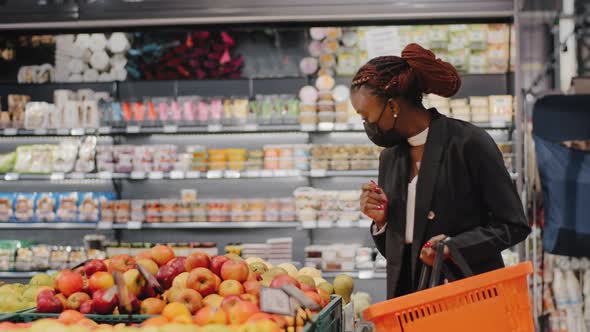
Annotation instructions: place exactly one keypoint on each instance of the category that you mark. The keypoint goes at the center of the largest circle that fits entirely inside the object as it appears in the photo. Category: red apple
(315, 297)
(64, 301)
(284, 279)
(325, 296)
(252, 287)
(178, 264)
(162, 254)
(94, 266)
(230, 287)
(147, 292)
(235, 270)
(77, 299)
(86, 308)
(189, 297)
(197, 259)
(229, 302)
(166, 275)
(249, 297)
(201, 280)
(134, 304)
(216, 264)
(69, 282)
(104, 301)
(152, 306)
(210, 316)
(241, 312)
(217, 282)
(121, 263)
(307, 288)
(100, 280)
(47, 302)
(146, 254)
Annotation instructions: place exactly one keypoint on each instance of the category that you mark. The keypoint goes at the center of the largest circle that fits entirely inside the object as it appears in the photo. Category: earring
(395, 115)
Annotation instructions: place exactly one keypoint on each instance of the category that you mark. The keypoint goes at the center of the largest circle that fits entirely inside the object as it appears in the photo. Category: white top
(417, 140)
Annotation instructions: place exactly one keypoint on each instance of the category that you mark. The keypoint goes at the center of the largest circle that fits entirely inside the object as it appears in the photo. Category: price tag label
(57, 176)
(252, 174)
(251, 127)
(156, 175)
(341, 126)
(10, 132)
(177, 175)
(133, 129)
(326, 126)
(366, 274)
(214, 174)
(135, 175)
(281, 173)
(104, 225)
(78, 132)
(63, 132)
(214, 128)
(104, 130)
(266, 173)
(275, 301)
(498, 124)
(293, 172)
(105, 175)
(40, 131)
(308, 127)
(318, 173)
(170, 129)
(78, 176)
(193, 175)
(11, 177)
(134, 225)
(232, 174)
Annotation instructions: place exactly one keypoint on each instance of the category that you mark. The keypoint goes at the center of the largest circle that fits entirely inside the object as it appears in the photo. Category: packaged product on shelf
(169, 210)
(59, 258)
(86, 155)
(72, 114)
(64, 157)
(439, 36)
(478, 36)
(90, 114)
(480, 114)
(256, 209)
(137, 210)
(364, 259)
(152, 210)
(199, 212)
(36, 114)
(6, 207)
(462, 113)
(478, 63)
(24, 259)
(24, 207)
(41, 254)
(45, 206)
(501, 108)
(459, 58)
(67, 207)
(218, 210)
(16, 111)
(184, 213)
(7, 162)
(420, 35)
(122, 211)
(347, 61)
(88, 209)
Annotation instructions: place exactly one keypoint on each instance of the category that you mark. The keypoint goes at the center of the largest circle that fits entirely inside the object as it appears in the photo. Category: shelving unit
(236, 184)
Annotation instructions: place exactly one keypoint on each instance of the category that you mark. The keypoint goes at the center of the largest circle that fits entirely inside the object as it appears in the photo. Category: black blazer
(463, 191)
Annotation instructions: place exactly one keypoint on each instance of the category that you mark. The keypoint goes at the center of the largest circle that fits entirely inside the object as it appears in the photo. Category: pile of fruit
(15, 297)
(197, 290)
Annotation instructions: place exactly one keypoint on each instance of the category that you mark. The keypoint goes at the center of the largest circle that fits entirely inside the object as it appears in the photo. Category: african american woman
(438, 177)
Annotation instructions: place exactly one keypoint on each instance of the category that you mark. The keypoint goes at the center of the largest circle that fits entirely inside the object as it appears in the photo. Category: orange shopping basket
(496, 301)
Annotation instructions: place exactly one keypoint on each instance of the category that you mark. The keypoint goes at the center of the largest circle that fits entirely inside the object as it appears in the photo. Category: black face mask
(387, 139)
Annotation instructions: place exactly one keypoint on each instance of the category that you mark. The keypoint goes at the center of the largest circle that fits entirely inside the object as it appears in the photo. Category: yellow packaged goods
(479, 102)
(330, 46)
(439, 36)
(480, 114)
(458, 102)
(478, 63)
(478, 36)
(498, 34)
(501, 108)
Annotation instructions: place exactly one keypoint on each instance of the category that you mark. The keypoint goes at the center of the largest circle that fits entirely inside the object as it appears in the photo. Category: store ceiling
(24, 14)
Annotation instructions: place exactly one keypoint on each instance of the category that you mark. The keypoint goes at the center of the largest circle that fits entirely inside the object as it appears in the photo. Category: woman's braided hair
(415, 73)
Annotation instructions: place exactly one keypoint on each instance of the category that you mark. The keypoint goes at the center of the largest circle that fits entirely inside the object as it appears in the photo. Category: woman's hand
(374, 203)
(429, 250)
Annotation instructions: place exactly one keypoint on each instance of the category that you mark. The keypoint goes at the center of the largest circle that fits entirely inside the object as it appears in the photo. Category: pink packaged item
(216, 109)
(203, 113)
(188, 108)
(176, 111)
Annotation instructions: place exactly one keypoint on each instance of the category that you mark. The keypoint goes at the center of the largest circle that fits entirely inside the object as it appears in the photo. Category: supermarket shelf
(18, 275)
(210, 129)
(221, 225)
(368, 274)
(41, 225)
(211, 175)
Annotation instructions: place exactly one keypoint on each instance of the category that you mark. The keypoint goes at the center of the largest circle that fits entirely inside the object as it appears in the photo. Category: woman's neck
(417, 121)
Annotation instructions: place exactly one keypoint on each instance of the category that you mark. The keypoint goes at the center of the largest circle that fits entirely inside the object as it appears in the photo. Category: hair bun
(433, 75)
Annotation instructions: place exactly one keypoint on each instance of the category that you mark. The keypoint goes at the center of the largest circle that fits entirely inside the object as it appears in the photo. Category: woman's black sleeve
(507, 224)
(379, 240)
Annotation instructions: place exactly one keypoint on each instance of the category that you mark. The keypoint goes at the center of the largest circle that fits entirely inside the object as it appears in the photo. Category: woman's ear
(394, 106)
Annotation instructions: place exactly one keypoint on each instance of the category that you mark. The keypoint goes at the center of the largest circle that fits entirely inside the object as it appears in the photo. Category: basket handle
(430, 276)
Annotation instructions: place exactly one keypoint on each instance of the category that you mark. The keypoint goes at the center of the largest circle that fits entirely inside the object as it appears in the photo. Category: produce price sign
(382, 41)
(275, 301)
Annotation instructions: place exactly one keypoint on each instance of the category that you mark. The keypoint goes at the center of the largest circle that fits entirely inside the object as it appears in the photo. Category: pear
(310, 271)
(327, 287)
(258, 267)
(41, 280)
(319, 280)
(290, 268)
(306, 280)
(343, 286)
(30, 294)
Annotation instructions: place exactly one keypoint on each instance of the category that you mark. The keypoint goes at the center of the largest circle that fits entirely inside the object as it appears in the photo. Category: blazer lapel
(400, 186)
(431, 160)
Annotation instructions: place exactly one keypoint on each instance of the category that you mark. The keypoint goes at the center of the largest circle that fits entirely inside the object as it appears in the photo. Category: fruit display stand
(329, 319)
(32, 315)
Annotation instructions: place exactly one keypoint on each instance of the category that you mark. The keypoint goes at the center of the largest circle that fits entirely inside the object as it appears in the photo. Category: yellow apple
(180, 280)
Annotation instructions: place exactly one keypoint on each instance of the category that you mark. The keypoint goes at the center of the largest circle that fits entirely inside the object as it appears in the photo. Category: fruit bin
(329, 319)
(31, 315)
